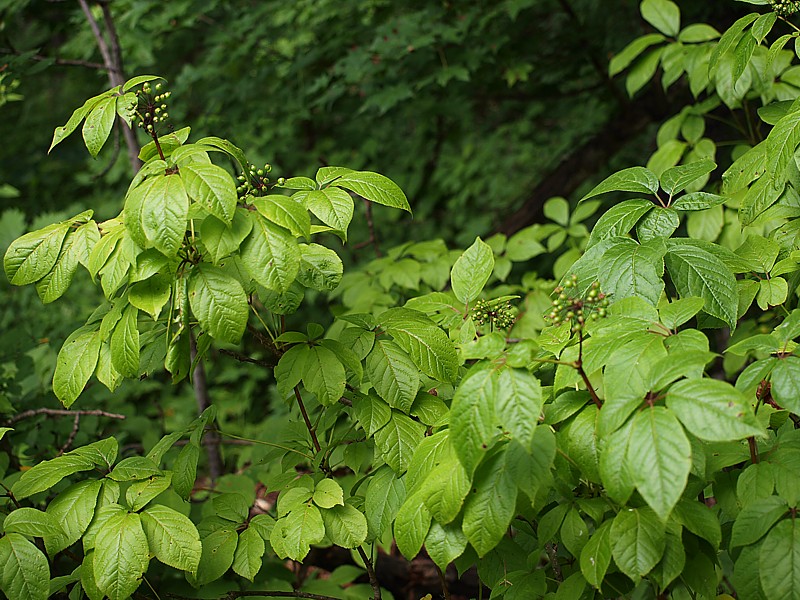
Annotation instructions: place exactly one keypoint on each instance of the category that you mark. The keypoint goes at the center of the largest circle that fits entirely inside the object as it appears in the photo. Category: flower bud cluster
(500, 315)
(152, 107)
(254, 181)
(568, 307)
(784, 8)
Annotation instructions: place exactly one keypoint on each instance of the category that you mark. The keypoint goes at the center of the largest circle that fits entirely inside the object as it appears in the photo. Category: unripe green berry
(281, 180)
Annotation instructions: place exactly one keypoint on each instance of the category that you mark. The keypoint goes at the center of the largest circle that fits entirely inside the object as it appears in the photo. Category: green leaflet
(427, 345)
(629, 269)
(32, 523)
(490, 506)
(333, 206)
(675, 179)
(619, 220)
(247, 559)
(445, 543)
(664, 15)
(32, 256)
(638, 541)
(218, 549)
(121, 555)
(73, 509)
(713, 410)
(696, 272)
(25, 574)
(75, 249)
(596, 555)
(76, 362)
(164, 210)
(78, 115)
(779, 561)
(634, 179)
(345, 525)
(659, 458)
(271, 255)
(98, 124)
(471, 271)
(323, 375)
(125, 343)
(411, 526)
(222, 239)
(172, 537)
(785, 383)
(756, 519)
(151, 295)
(320, 267)
(393, 374)
(631, 52)
(293, 535)
(286, 212)
(385, 494)
(781, 144)
(328, 494)
(397, 440)
(212, 187)
(374, 187)
(219, 302)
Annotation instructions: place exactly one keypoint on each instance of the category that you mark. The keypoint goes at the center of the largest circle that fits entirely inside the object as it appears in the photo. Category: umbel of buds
(253, 181)
(151, 109)
(784, 8)
(570, 307)
(498, 313)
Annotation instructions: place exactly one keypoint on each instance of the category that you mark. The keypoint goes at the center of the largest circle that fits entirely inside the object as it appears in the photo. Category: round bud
(281, 180)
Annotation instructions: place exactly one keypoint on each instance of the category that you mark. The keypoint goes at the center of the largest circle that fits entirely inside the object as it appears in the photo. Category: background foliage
(631, 435)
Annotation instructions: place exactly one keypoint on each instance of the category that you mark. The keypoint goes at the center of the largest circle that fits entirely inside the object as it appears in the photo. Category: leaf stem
(373, 578)
(310, 428)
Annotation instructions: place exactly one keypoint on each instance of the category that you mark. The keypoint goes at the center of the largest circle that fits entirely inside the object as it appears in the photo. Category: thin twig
(75, 426)
(373, 238)
(60, 412)
(10, 495)
(247, 359)
(67, 62)
(552, 553)
(310, 428)
(373, 578)
(203, 402)
(262, 593)
(579, 366)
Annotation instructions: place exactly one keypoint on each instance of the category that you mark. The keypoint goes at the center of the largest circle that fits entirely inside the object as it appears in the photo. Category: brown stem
(751, 441)
(200, 386)
(445, 589)
(247, 359)
(373, 579)
(10, 495)
(373, 238)
(579, 366)
(112, 59)
(60, 412)
(310, 428)
(551, 552)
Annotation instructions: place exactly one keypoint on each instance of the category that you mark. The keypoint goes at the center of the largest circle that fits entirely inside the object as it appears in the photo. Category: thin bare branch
(60, 412)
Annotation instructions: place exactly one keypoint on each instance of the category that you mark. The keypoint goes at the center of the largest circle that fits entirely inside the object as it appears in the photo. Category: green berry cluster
(571, 308)
(498, 313)
(254, 181)
(784, 8)
(152, 107)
